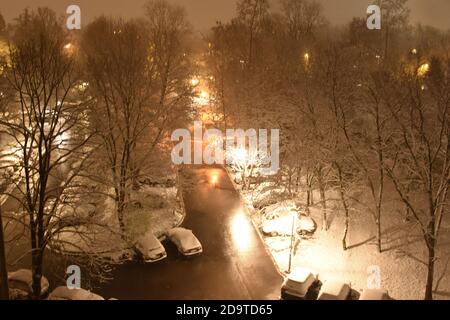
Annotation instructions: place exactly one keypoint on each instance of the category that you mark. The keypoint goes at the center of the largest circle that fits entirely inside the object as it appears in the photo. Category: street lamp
(195, 81)
(69, 48)
(291, 248)
(423, 69)
(306, 57)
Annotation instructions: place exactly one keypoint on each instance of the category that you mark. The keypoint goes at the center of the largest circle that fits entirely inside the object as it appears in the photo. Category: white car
(185, 241)
(20, 283)
(64, 293)
(151, 248)
(300, 284)
(334, 290)
(281, 226)
(374, 294)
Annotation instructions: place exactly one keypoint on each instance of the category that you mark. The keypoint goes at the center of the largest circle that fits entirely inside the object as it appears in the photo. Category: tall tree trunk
(36, 267)
(379, 200)
(309, 191)
(4, 291)
(297, 180)
(290, 173)
(120, 204)
(222, 100)
(345, 206)
(430, 240)
(323, 200)
(324, 209)
(430, 271)
(378, 223)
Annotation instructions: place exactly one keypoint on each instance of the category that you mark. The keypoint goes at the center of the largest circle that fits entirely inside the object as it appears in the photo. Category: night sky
(204, 13)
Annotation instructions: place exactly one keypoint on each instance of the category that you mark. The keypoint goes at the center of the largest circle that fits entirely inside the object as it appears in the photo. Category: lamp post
(423, 70)
(292, 243)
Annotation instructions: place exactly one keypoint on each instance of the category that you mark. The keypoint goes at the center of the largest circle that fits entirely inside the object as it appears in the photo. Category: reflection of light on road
(214, 179)
(241, 231)
(213, 176)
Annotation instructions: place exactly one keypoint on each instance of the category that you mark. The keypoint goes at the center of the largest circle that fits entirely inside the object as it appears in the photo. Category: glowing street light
(195, 81)
(306, 57)
(306, 61)
(423, 70)
(69, 48)
(204, 94)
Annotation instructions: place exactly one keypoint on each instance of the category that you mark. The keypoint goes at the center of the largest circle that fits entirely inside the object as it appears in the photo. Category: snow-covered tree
(419, 155)
(47, 129)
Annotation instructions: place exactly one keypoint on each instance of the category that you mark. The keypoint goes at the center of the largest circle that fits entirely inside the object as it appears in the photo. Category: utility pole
(4, 290)
(292, 243)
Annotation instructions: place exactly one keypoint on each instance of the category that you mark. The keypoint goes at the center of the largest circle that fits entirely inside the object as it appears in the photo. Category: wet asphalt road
(234, 263)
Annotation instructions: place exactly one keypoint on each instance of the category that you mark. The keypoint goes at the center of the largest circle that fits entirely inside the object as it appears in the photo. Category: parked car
(20, 284)
(300, 284)
(334, 290)
(150, 248)
(306, 226)
(280, 226)
(374, 294)
(185, 241)
(64, 293)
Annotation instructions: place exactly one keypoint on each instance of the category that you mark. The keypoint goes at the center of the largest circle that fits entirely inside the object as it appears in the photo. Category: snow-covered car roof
(64, 293)
(148, 242)
(25, 276)
(301, 275)
(334, 290)
(185, 236)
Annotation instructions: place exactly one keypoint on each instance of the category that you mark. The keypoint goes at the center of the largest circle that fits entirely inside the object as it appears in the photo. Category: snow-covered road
(234, 263)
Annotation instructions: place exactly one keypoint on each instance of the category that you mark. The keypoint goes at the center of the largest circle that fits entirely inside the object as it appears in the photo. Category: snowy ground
(154, 209)
(401, 271)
